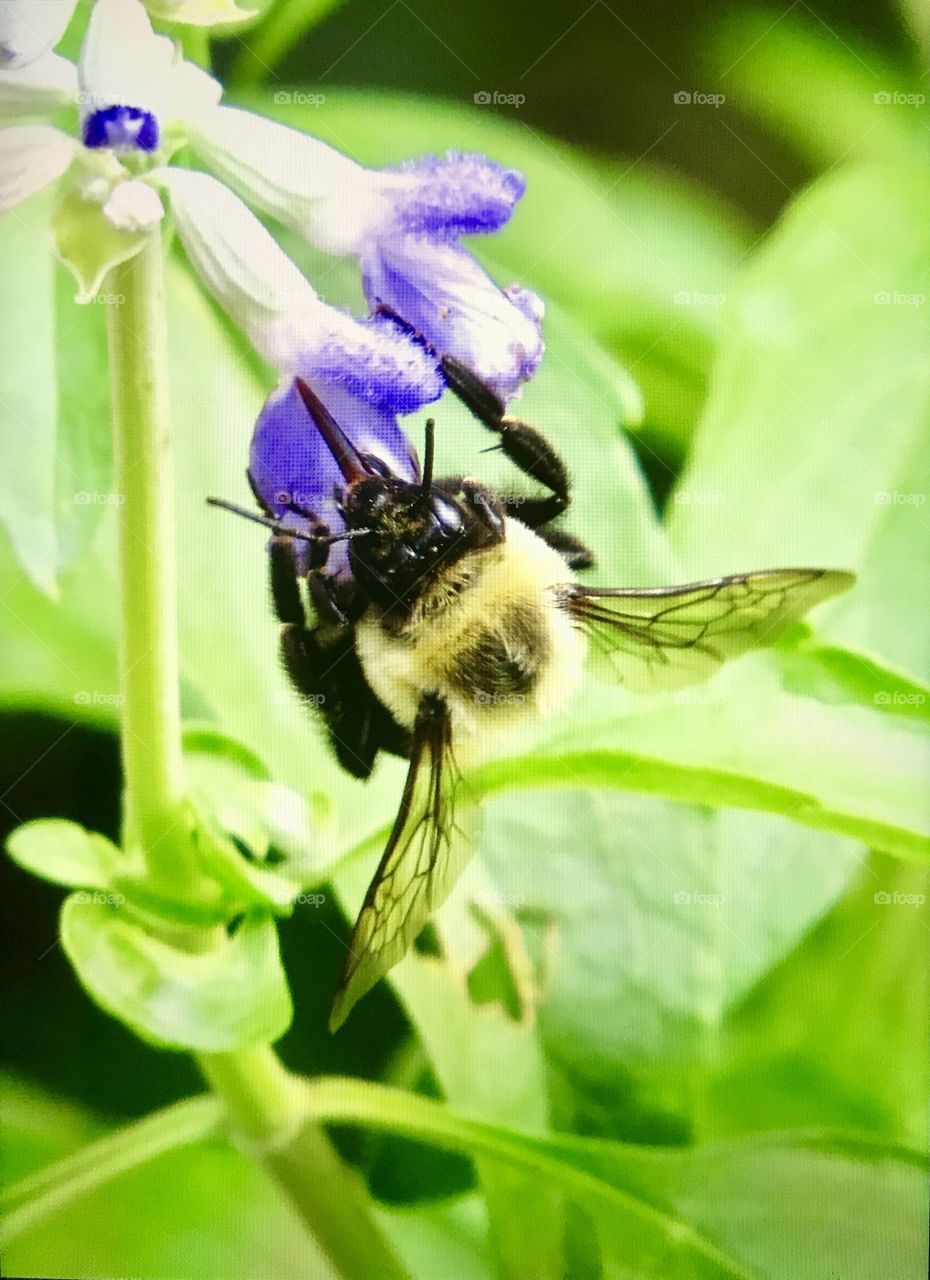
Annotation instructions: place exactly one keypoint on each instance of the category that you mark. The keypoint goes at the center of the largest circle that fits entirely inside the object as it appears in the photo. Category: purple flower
(404, 226)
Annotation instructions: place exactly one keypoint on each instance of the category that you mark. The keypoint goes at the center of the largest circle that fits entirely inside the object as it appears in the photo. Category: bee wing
(434, 835)
(660, 638)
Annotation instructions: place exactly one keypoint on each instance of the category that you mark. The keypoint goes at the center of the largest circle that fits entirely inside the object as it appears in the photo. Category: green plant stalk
(148, 646)
(270, 1113)
(266, 1107)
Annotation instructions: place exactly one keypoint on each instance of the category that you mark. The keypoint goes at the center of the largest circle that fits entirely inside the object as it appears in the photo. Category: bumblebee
(459, 621)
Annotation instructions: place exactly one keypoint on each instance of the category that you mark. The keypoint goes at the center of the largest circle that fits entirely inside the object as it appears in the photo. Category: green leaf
(667, 912)
(816, 424)
(28, 407)
(734, 1209)
(636, 771)
(837, 1034)
(88, 245)
(64, 853)
(233, 994)
(835, 675)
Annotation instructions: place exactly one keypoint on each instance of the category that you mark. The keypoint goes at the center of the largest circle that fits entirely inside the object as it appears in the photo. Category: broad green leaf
(233, 994)
(818, 410)
(740, 1208)
(837, 1034)
(64, 853)
(663, 916)
(836, 675)
(28, 398)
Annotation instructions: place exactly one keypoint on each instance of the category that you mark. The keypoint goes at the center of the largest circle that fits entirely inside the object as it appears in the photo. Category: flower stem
(148, 645)
(266, 1106)
(270, 1113)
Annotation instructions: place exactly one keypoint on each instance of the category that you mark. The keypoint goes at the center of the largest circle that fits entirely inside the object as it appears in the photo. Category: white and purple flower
(137, 101)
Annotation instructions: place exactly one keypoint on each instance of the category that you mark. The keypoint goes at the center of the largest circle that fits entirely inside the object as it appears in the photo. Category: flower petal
(457, 194)
(299, 180)
(445, 295)
(29, 28)
(133, 206)
(31, 157)
(43, 85)
(282, 315)
(290, 464)
(123, 63)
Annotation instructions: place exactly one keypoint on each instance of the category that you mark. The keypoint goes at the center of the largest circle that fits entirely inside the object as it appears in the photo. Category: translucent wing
(434, 836)
(660, 638)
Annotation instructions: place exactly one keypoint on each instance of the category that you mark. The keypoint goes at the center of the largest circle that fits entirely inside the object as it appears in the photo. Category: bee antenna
(284, 530)
(429, 449)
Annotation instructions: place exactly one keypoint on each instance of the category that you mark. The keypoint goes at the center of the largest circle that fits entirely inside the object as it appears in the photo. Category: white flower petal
(299, 180)
(31, 157)
(252, 279)
(29, 28)
(123, 63)
(133, 206)
(43, 85)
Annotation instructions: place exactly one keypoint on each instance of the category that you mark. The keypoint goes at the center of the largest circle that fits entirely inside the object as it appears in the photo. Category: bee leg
(576, 555)
(526, 447)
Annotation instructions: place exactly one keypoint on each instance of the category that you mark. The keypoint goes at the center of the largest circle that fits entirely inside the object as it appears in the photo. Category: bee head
(406, 532)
